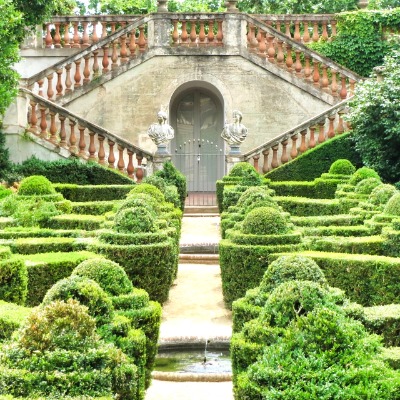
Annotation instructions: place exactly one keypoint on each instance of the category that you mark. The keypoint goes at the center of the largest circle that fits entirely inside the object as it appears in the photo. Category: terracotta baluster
(352, 86)
(220, 35)
(175, 33)
(142, 40)
(59, 85)
(321, 134)
(139, 169)
(331, 129)
(85, 35)
(262, 47)
(265, 163)
(324, 31)
(294, 152)
(193, 34)
(297, 65)
(101, 154)
(210, 35)
(48, 39)
(280, 57)
(184, 34)
(95, 36)
(114, 55)
(53, 127)
(67, 39)
(86, 70)
(253, 40)
(63, 133)
(315, 36)
(306, 34)
(324, 80)
(130, 169)
(33, 118)
(82, 143)
(111, 157)
(289, 58)
(287, 29)
(202, 33)
(92, 147)
(68, 81)
(132, 43)
(316, 75)
(77, 76)
(57, 37)
(307, 69)
(333, 26)
(248, 36)
(278, 26)
(303, 144)
(297, 36)
(50, 91)
(271, 49)
(256, 157)
(343, 90)
(340, 126)
(274, 162)
(72, 137)
(40, 83)
(76, 36)
(334, 85)
(43, 122)
(311, 142)
(123, 52)
(96, 68)
(105, 62)
(284, 157)
(104, 29)
(121, 163)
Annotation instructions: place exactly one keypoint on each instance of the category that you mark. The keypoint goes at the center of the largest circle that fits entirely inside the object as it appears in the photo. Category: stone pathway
(195, 311)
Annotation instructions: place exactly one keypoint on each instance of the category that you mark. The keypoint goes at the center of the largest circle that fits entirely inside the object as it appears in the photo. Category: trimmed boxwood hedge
(366, 279)
(82, 193)
(93, 207)
(327, 220)
(12, 317)
(46, 245)
(76, 221)
(302, 207)
(13, 280)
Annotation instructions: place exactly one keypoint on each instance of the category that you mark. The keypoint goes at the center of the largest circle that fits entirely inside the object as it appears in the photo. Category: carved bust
(236, 132)
(161, 132)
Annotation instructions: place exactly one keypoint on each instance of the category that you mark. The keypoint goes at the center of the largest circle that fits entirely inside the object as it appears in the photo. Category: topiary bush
(254, 193)
(393, 205)
(381, 194)
(265, 221)
(35, 185)
(148, 189)
(109, 275)
(363, 173)
(87, 292)
(13, 280)
(366, 186)
(241, 168)
(172, 196)
(141, 200)
(342, 167)
(156, 181)
(134, 220)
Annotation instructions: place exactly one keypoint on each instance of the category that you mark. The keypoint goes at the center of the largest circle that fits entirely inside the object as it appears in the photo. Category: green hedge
(314, 162)
(366, 279)
(46, 245)
(356, 230)
(13, 280)
(392, 356)
(76, 193)
(93, 207)
(20, 232)
(45, 269)
(5, 252)
(220, 186)
(327, 220)
(11, 318)
(302, 207)
(76, 221)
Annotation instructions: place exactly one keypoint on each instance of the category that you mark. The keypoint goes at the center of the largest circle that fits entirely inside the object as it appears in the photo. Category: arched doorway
(197, 150)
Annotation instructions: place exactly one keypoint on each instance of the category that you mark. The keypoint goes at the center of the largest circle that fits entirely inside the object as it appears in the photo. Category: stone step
(199, 258)
(201, 215)
(201, 210)
(198, 248)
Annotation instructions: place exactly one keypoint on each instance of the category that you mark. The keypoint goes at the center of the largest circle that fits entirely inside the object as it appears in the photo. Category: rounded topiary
(363, 173)
(111, 277)
(251, 178)
(134, 220)
(393, 205)
(87, 292)
(265, 221)
(381, 194)
(35, 185)
(148, 189)
(142, 201)
(342, 167)
(289, 268)
(156, 181)
(266, 202)
(241, 168)
(253, 193)
(172, 196)
(366, 186)
(59, 325)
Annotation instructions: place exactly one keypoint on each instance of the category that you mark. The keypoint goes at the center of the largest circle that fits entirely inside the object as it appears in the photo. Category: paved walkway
(195, 310)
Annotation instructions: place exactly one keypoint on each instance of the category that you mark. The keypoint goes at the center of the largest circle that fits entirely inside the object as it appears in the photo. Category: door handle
(198, 158)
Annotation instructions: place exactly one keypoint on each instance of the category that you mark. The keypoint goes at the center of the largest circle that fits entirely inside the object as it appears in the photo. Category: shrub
(12, 317)
(366, 186)
(35, 185)
(13, 280)
(342, 167)
(109, 275)
(393, 205)
(265, 221)
(254, 193)
(4, 192)
(87, 292)
(34, 212)
(141, 200)
(156, 181)
(241, 168)
(148, 189)
(134, 220)
(363, 173)
(381, 194)
(172, 196)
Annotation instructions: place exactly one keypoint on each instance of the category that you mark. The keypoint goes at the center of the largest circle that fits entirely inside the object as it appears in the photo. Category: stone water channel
(195, 324)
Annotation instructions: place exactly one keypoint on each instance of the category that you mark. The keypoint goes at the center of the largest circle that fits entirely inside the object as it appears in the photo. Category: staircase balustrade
(285, 147)
(294, 57)
(84, 139)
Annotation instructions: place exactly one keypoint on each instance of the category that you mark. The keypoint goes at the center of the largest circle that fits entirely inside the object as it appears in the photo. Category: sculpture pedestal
(231, 160)
(160, 158)
(235, 150)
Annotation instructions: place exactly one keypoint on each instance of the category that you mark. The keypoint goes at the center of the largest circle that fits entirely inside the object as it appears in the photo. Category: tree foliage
(375, 117)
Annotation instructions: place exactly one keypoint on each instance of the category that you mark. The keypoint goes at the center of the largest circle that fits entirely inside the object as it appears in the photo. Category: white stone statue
(161, 133)
(235, 133)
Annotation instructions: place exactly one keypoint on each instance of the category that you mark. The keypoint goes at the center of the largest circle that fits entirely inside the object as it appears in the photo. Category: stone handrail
(277, 48)
(325, 125)
(56, 124)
